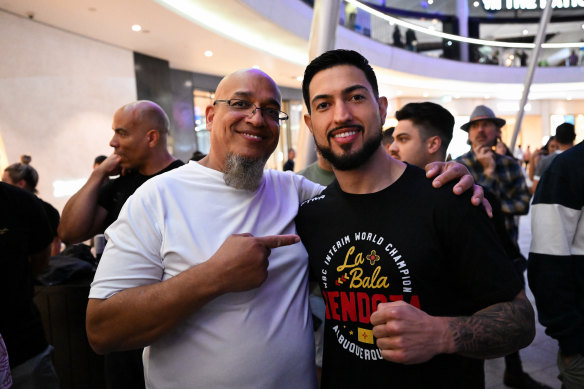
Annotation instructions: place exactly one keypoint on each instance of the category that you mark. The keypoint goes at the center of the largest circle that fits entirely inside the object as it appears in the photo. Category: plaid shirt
(507, 184)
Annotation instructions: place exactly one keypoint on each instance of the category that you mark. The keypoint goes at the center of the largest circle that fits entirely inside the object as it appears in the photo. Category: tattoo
(495, 331)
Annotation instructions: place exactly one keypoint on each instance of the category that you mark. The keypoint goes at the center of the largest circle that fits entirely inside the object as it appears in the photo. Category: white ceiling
(175, 38)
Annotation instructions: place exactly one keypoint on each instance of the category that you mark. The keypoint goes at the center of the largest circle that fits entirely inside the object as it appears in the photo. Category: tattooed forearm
(495, 331)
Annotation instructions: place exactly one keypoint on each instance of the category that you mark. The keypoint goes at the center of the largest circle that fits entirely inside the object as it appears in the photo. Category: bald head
(147, 115)
(234, 80)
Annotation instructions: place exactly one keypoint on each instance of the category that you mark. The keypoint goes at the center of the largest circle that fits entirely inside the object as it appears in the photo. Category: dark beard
(353, 160)
(244, 173)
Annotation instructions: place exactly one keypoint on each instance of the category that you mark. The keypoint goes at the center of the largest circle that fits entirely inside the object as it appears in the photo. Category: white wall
(58, 93)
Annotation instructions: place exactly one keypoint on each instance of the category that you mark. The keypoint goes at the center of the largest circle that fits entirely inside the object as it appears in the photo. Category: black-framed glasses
(249, 108)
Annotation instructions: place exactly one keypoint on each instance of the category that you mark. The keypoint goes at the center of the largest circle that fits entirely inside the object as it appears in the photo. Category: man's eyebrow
(249, 96)
(345, 91)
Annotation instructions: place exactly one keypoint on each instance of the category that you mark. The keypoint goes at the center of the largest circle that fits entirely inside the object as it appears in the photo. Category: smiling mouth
(344, 132)
(251, 136)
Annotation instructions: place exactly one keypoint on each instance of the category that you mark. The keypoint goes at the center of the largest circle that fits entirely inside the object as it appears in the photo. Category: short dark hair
(431, 119)
(99, 159)
(565, 133)
(387, 136)
(334, 58)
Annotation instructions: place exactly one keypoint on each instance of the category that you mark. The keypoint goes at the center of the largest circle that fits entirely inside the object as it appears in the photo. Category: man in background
(289, 165)
(140, 152)
(565, 136)
(556, 260)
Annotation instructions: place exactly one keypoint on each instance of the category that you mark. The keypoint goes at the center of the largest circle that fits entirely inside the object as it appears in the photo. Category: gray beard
(243, 173)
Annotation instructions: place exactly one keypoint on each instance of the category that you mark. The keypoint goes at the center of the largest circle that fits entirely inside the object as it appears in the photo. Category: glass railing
(436, 35)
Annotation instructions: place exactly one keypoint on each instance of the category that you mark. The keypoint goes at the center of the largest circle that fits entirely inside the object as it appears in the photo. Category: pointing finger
(274, 241)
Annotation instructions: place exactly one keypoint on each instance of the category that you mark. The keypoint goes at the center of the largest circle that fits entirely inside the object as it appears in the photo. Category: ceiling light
(476, 4)
(208, 53)
(583, 27)
(136, 28)
(430, 2)
(525, 32)
(449, 43)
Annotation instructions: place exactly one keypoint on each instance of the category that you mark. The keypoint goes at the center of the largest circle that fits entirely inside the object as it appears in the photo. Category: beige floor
(539, 358)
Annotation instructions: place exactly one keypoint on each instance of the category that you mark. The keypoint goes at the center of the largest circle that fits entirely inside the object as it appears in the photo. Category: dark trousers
(124, 370)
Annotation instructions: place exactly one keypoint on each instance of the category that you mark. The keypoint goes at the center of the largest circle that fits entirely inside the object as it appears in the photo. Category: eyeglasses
(249, 108)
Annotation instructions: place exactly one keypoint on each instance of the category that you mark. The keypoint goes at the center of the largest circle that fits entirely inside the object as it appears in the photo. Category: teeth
(252, 136)
(345, 134)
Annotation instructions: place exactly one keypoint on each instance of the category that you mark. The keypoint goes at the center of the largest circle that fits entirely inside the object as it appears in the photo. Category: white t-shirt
(261, 338)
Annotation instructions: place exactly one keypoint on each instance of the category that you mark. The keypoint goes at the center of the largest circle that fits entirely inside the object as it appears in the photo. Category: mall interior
(67, 65)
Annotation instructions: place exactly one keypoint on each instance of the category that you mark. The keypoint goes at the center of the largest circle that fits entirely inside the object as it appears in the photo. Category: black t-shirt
(407, 242)
(114, 193)
(53, 216)
(24, 230)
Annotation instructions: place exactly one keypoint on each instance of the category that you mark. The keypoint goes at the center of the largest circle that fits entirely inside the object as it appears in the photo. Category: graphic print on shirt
(360, 271)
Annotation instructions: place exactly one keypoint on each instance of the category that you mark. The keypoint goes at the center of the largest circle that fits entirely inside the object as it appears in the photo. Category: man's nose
(113, 142)
(342, 113)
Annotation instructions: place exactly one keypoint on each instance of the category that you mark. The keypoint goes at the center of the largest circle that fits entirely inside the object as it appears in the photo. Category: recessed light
(430, 2)
(449, 43)
(476, 4)
(208, 53)
(525, 32)
(136, 28)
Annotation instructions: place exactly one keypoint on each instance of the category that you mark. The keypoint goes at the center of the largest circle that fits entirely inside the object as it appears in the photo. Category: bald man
(140, 152)
(186, 274)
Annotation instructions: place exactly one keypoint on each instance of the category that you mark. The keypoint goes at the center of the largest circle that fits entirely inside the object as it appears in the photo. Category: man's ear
(433, 144)
(209, 115)
(382, 102)
(308, 122)
(153, 137)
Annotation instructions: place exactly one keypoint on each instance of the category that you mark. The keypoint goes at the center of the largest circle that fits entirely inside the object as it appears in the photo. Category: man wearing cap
(502, 176)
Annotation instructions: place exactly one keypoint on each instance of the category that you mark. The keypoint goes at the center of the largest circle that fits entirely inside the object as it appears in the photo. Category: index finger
(274, 241)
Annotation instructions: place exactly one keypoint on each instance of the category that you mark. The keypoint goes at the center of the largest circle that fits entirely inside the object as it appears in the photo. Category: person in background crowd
(25, 247)
(140, 152)
(556, 261)
(26, 177)
(550, 147)
(289, 165)
(197, 155)
(98, 160)
(565, 136)
(387, 138)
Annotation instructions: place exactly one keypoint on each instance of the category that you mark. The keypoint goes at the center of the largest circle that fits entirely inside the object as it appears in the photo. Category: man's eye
(322, 105)
(240, 104)
(271, 112)
(357, 97)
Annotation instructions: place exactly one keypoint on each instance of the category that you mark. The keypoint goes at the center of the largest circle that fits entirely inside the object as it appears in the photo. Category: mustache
(357, 126)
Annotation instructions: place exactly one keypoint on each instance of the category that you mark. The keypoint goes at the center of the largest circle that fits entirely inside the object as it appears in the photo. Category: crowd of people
(415, 275)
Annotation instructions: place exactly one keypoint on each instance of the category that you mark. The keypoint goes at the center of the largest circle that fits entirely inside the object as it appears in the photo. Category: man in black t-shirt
(409, 303)
(25, 238)
(140, 152)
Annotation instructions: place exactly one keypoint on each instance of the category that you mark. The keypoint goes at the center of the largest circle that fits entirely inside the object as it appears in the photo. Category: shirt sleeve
(132, 254)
